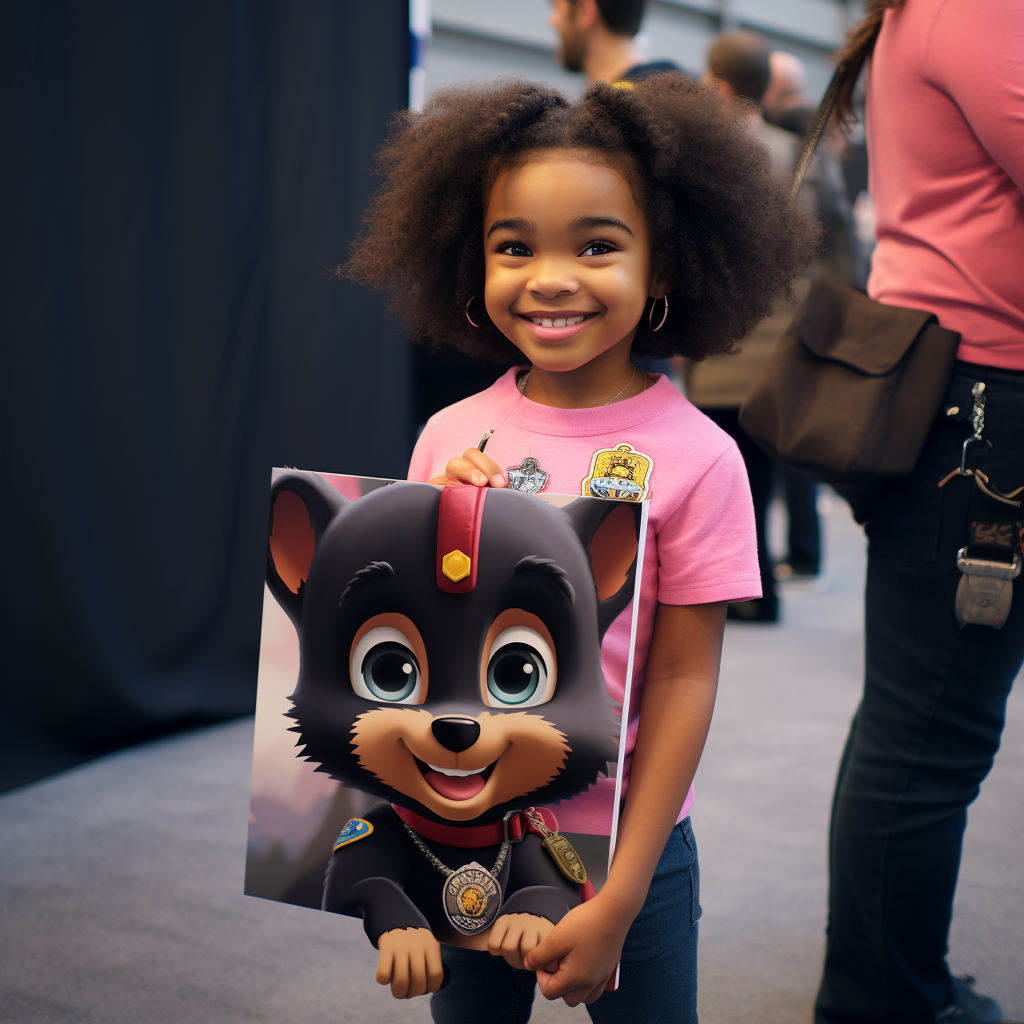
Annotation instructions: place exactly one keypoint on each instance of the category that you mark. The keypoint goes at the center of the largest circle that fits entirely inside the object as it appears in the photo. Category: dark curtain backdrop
(178, 179)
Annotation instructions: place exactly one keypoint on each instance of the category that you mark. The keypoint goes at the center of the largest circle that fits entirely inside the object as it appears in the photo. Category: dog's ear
(301, 507)
(610, 533)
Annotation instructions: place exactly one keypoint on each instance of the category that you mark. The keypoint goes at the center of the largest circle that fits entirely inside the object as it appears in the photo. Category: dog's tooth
(458, 773)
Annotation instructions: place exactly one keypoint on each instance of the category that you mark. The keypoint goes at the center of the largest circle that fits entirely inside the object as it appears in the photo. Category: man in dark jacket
(598, 38)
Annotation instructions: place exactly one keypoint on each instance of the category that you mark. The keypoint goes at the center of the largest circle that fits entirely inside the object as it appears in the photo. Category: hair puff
(724, 231)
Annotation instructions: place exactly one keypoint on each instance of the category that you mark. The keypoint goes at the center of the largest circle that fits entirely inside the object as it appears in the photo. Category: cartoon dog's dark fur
(455, 684)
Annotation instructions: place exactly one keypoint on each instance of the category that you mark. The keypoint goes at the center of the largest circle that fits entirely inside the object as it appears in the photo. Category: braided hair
(723, 230)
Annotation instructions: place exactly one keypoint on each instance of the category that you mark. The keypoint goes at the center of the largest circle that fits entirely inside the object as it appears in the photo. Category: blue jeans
(927, 729)
(658, 977)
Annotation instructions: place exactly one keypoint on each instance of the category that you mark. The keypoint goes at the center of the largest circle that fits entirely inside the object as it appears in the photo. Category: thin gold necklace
(521, 384)
(528, 475)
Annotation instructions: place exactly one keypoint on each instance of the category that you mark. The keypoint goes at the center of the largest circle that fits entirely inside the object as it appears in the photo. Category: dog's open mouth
(455, 783)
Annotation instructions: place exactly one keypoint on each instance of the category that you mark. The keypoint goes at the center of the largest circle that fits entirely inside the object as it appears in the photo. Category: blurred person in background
(785, 102)
(738, 64)
(786, 105)
(945, 133)
(598, 37)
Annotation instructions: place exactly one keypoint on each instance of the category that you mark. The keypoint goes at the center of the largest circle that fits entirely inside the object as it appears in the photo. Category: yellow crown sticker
(620, 472)
(456, 565)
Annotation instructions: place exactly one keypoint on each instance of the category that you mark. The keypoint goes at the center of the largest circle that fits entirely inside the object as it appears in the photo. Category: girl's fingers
(557, 984)
(485, 465)
(571, 997)
(472, 467)
(462, 471)
(547, 952)
(597, 993)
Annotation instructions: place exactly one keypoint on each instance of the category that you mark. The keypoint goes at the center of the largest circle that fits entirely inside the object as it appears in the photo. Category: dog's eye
(519, 672)
(384, 667)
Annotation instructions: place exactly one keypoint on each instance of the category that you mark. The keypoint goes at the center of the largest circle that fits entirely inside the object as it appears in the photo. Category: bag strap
(817, 128)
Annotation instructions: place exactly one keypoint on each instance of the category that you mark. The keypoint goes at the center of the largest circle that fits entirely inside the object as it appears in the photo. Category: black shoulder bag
(853, 385)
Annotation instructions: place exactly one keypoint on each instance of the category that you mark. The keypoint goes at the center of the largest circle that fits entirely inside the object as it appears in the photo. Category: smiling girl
(565, 239)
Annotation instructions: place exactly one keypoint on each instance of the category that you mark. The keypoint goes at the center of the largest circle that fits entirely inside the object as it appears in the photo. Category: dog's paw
(514, 935)
(410, 962)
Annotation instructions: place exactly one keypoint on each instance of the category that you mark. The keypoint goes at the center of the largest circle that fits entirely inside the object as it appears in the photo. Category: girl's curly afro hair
(722, 228)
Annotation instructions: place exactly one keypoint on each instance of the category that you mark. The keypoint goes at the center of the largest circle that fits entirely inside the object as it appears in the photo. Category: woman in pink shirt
(945, 130)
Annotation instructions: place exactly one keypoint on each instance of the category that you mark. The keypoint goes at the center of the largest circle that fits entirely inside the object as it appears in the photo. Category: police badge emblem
(620, 472)
(471, 898)
(355, 828)
(527, 477)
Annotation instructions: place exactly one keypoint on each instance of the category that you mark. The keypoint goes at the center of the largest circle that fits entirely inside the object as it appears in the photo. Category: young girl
(565, 239)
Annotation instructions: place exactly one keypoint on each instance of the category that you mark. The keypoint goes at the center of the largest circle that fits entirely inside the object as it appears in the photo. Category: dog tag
(567, 859)
(560, 850)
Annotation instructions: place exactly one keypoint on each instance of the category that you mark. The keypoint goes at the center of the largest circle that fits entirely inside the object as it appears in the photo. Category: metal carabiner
(978, 422)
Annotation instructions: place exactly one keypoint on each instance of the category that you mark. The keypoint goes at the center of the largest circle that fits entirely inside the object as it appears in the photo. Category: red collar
(475, 836)
(454, 835)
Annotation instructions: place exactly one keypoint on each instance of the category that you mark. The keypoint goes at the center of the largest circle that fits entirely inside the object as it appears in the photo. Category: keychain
(991, 559)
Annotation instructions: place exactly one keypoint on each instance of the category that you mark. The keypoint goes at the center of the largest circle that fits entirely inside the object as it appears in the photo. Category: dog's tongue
(454, 787)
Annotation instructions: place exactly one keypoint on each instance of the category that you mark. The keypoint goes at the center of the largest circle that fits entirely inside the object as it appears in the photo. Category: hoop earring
(468, 317)
(664, 316)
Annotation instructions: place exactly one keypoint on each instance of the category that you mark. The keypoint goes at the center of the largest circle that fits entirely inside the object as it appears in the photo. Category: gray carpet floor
(121, 881)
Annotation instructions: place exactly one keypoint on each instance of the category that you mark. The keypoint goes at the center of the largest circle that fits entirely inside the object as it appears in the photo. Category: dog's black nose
(455, 734)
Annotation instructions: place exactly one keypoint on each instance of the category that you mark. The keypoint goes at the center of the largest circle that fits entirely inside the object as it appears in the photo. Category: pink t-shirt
(701, 545)
(945, 129)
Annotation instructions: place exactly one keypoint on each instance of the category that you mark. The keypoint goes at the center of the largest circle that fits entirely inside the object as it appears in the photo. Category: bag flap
(838, 323)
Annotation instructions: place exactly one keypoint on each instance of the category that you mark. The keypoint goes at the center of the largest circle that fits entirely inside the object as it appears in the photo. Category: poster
(445, 739)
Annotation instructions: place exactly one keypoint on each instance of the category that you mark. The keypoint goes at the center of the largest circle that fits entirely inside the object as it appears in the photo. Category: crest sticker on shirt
(620, 472)
(527, 476)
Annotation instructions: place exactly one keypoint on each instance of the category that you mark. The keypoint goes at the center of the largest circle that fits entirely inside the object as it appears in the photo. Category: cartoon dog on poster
(450, 664)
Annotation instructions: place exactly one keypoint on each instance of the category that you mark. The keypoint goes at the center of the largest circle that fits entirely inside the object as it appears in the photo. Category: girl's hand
(410, 962)
(579, 956)
(514, 935)
(472, 467)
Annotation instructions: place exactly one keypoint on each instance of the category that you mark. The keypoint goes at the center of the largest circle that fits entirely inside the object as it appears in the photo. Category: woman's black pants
(928, 726)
